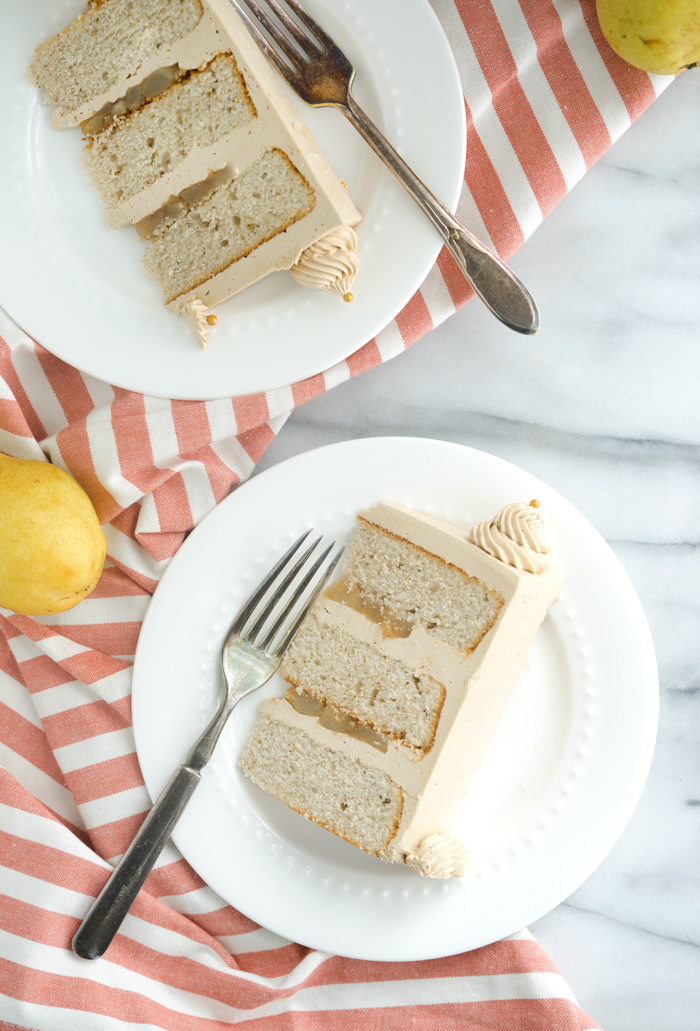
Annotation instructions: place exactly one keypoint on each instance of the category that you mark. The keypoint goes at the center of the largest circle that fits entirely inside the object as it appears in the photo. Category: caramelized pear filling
(155, 83)
(391, 625)
(304, 703)
(333, 719)
(188, 198)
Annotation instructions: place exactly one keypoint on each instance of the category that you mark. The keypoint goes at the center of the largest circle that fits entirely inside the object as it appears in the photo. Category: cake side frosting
(473, 707)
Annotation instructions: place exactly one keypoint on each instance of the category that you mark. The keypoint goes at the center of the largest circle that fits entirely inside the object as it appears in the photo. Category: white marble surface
(604, 405)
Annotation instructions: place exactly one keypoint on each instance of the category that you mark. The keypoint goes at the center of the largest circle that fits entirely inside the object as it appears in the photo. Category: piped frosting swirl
(516, 536)
(194, 312)
(440, 856)
(330, 264)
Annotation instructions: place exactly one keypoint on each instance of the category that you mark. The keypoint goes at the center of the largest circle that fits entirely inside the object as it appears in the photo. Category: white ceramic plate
(77, 287)
(562, 771)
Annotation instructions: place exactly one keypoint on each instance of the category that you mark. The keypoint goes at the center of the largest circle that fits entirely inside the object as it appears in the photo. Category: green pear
(658, 36)
(52, 548)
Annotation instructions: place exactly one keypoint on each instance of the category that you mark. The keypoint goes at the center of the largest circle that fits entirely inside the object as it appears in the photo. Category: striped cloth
(544, 98)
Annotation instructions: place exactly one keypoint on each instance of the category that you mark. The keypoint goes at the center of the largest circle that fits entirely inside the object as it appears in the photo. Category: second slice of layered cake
(190, 138)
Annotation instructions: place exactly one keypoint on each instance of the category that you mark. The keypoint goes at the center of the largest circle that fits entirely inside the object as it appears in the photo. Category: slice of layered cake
(190, 138)
(398, 677)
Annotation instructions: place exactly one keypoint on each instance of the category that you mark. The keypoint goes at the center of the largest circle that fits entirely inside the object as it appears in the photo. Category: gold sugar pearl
(534, 503)
(212, 320)
(347, 297)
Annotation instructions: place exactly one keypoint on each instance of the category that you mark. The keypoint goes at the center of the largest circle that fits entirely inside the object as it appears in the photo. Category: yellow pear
(659, 36)
(52, 548)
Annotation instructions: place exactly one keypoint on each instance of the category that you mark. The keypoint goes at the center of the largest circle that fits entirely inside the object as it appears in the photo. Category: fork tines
(279, 606)
(309, 47)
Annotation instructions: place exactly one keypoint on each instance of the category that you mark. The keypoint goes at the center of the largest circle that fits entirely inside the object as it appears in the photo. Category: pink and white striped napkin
(544, 98)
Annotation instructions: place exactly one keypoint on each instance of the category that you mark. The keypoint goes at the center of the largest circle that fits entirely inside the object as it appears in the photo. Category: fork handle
(490, 278)
(116, 898)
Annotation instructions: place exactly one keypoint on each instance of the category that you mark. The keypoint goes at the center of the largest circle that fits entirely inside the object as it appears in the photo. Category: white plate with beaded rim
(560, 776)
(77, 286)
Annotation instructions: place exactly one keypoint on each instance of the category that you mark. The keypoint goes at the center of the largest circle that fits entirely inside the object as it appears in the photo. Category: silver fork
(322, 76)
(251, 652)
